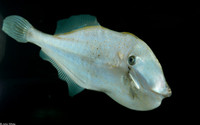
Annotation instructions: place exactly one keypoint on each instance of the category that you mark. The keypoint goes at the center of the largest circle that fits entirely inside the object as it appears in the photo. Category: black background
(31, 93)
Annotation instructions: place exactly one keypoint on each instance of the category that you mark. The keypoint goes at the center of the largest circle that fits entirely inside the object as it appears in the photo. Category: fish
(90, 56)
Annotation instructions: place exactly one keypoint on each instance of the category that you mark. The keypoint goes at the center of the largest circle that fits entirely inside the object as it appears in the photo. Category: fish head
(146, 76)
(144, 85)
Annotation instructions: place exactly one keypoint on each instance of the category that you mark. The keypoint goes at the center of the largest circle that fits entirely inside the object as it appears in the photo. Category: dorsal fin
(75, 22)
(72, 86)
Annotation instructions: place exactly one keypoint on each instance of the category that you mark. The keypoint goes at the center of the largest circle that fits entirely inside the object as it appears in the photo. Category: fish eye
(131, 60)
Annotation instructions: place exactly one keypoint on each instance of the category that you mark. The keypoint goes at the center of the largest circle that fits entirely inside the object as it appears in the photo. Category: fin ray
(16, 27)
(72, 86)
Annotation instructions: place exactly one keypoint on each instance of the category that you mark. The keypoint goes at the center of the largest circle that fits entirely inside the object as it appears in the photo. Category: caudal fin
(16, 27)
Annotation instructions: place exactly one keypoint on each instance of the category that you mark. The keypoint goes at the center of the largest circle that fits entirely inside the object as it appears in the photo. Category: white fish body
(90, 56)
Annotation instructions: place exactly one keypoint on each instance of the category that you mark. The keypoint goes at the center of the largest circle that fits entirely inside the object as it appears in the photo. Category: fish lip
(168, 94)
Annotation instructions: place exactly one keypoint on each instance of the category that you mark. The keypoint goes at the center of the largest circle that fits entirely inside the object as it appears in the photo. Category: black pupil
(131, 60)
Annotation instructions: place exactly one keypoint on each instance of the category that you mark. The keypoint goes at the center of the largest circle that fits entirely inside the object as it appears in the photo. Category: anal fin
(72, 86)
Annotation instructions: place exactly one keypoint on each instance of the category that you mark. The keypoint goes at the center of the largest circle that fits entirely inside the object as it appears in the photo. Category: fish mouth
(140, 82)
(166, 93)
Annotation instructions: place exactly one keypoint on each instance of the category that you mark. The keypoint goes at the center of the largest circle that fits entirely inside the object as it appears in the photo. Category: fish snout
(164, 91)
(168, 93)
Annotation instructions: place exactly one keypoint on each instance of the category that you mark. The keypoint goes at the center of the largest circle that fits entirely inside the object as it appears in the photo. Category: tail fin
(16, 27)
